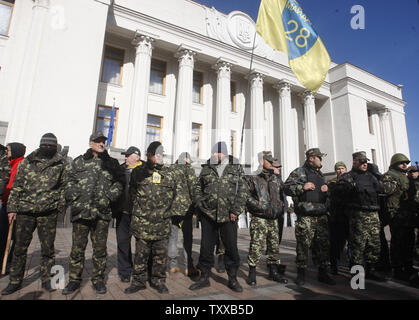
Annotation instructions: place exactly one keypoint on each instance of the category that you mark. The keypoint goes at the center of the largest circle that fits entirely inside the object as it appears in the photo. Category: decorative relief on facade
(185, 58)
(256, 80)
(284, 88)
(223, 69)
(144, 44)
(236, 29)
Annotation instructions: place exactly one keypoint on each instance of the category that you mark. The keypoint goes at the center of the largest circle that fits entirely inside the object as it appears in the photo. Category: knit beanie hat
(49, 139)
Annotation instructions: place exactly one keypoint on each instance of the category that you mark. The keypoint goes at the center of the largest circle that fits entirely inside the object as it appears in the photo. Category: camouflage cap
(360, 155)
(97, 135)
(132, 150)
(314, 152)
(412, 169)
(340, 164)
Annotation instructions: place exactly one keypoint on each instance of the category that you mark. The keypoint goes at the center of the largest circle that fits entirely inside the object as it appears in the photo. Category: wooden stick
(6, 252)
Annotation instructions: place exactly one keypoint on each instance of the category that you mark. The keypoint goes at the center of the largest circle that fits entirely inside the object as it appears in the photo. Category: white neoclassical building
(178, 71)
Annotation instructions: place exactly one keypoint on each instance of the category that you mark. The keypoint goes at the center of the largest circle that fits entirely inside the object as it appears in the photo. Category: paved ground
(178, 284)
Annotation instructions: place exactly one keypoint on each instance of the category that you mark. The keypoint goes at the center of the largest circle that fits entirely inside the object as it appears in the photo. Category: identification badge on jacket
(156, 177)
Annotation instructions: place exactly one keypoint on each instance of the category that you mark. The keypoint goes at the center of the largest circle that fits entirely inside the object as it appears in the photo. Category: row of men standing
(160, 195)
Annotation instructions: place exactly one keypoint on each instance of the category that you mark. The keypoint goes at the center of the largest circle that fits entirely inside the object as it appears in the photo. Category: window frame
(200, 137)
(233, 142)
(201, 87)
(153, 127)
(115, 130)
(11, 15)
(164, 78)
(122, 64)
(370, 122)
(233, 98)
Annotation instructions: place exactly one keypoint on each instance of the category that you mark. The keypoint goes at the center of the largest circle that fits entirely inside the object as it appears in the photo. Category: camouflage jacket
(413, 195)
(39, 185)
(185, 175)
(396, 186)
(156, 196)
(5, 170)
(93, 187)
(216, 195)
(264, 198)
(359, 190)
(294, 187)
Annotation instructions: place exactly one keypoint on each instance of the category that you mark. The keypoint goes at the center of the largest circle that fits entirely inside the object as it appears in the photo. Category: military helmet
(399, 158)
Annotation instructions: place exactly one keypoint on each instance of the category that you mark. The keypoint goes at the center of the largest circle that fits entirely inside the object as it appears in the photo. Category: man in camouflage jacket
(359, 189)
(96, 180)
(402, 219)
(220, 197)
(35, 199)
(308, 189)
(265, 205)
(156, 196)
(185, 175)
(5, 169)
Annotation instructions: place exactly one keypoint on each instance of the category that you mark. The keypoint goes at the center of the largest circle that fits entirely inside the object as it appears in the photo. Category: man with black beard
(35, 199)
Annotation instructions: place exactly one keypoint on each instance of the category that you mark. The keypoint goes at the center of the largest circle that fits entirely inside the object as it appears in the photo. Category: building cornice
(369, 89)
(199, 40)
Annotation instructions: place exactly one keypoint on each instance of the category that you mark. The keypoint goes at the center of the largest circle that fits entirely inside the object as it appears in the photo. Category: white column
(377, 132)
(183, 124)
(287, 139)
(22, 101)
(311, 138)
(256, 117)
(223, 103)
(386, 137)
(139, 96)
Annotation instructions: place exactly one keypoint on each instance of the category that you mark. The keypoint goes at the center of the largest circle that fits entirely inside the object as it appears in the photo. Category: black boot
(233, 284)
(46, 285)
(374, 275)
(11, 288)
(301, 276)
(282, 268)
(135, 287)
(251, 279)
(71, 287)
(220, 264)
(202, 282)
(274, 275)
(324, 277)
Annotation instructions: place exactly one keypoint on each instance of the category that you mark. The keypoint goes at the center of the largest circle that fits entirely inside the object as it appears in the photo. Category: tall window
(103, 120)
(157, 76)
(6, 9)
(233, 142)
(154, 129)
(233, 96)
(197, 87)
(374, 156)
(113, 62)
(370, 125)
(196, 140)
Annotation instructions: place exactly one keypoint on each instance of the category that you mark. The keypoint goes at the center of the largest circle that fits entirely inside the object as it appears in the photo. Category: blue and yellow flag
(285, 27)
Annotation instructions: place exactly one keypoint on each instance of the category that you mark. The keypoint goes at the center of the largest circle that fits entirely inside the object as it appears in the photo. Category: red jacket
(13, 163)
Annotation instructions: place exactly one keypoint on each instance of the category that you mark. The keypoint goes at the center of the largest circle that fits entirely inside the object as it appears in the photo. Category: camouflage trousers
(312, 232)
(158, 251)
(26, 224)
(98, 230)
(263, 231)
(364, 237)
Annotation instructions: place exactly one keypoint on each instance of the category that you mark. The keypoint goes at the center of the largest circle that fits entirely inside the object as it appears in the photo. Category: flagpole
(247, 97)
